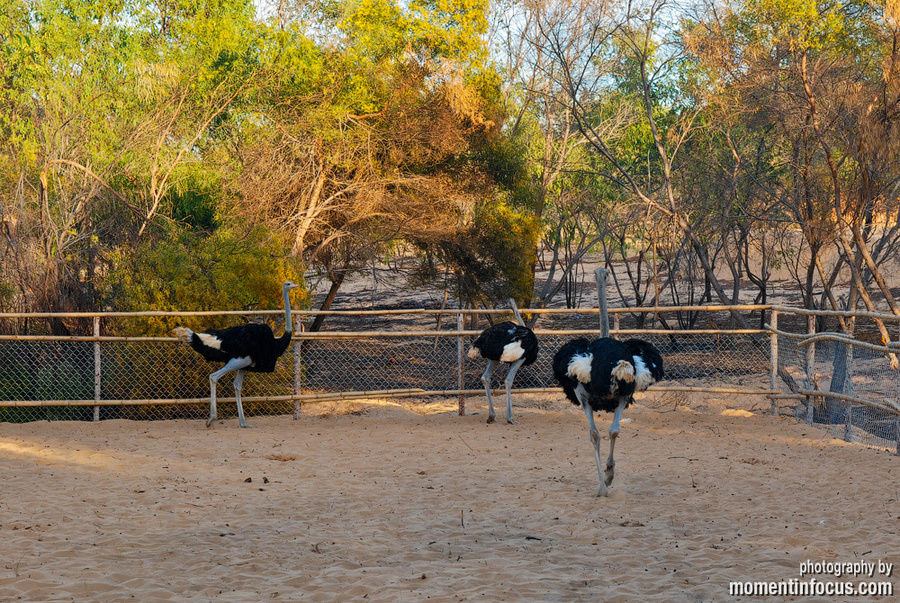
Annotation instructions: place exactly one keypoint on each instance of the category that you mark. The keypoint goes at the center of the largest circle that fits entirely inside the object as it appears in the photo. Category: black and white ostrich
(603, 375)
(250, 347)
(504, 342)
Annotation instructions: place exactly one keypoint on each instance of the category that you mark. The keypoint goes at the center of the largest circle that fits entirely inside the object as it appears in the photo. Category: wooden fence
(421, 352)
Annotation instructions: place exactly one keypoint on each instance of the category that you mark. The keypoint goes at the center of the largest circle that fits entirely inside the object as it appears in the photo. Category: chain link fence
(846, 385)
(99, 375)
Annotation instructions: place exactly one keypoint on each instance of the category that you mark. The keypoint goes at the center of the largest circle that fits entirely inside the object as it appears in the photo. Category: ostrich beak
(290, 285)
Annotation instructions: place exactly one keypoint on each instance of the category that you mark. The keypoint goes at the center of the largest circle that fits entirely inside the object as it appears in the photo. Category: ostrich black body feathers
(608, 380)
(506, 342)
(254, 341)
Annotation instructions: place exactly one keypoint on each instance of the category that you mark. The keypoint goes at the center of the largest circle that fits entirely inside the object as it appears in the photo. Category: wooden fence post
(600, 275)
(97, 369)
(848, 391)
(897, 434)
(461, 367)
(773, 359)
(810, 368)
(897, 424)
(298, 366)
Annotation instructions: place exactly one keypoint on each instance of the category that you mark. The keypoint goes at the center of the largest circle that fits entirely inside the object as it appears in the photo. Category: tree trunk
(337, 279)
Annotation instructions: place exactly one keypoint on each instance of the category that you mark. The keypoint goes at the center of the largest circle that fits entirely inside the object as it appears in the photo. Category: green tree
(113, 116)
(375, 135)
(828, 74)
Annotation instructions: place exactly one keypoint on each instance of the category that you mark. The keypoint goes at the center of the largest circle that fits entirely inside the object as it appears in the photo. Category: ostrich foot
(609, 474)
(602, 491)
(210, 421)
(491, 419)
(511, 421)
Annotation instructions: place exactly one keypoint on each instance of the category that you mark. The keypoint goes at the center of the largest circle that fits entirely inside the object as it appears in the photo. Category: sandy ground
(408, 501)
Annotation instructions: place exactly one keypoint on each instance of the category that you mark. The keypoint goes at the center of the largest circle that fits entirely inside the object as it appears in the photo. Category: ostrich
(504, 342)
(250, 347)
(603, 375)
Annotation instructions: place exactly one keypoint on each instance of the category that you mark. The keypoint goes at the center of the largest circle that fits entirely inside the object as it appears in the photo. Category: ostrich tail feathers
(183, 334)
(623, 371)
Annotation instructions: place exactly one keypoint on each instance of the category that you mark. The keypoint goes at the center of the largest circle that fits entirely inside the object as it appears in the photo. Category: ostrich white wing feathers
(210, 340)
(623, 371)
(512, 352)
(580, 368)
(474, 353)
(642, 374)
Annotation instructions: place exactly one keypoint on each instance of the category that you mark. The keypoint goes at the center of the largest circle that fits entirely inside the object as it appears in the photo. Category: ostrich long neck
(287, 312)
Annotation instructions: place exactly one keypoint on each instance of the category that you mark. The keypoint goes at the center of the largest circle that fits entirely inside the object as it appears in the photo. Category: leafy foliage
(491, 259)
(189, 271)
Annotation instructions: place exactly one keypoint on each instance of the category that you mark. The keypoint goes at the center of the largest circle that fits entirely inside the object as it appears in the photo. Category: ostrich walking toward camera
(250, 347)
(504, 342)
(603, 375)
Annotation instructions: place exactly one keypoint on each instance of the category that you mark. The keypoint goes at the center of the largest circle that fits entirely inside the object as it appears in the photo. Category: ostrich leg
(509, 381)
(594, 435)
(613, 434)
(238, 382)
(233, 365)
(486, 379)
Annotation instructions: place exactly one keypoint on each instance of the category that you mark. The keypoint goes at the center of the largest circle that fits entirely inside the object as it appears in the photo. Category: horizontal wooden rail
(806, 339)
(413, 311)
(888, 405)
(713, 390)
(470, 333)
(362, 334)
(713, 308)
(860, 313)
(353, 395)
(88, 338)
(475, 333)
(146, 314)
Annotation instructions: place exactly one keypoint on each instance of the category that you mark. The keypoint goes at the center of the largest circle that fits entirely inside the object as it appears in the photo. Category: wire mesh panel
(120, 372)
(153, 370)
(45, 370)
(40, 370)
(160, 370)
(849, 382)
(379, 363)
(724, 359)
